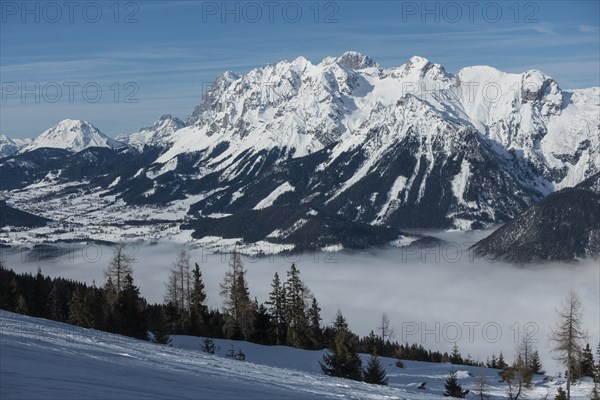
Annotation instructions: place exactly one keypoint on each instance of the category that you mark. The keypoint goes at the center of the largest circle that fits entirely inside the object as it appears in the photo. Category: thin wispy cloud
(174, 48)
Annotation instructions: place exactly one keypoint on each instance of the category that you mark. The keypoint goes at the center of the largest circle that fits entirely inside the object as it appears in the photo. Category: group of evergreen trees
(343, 361)
(116, 307)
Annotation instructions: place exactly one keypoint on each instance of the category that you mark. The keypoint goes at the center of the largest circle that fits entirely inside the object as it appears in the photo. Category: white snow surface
(73, 135)
(270, 199)
(42, 359)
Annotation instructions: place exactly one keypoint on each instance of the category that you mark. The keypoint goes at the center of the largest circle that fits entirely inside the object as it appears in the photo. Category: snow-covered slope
(156, 135)
(72, 135)
(46, 359)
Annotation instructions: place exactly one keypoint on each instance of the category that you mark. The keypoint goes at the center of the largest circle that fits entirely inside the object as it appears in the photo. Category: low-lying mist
(435, 297)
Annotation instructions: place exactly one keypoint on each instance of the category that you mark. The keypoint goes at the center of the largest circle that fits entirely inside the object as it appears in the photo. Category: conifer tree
(208, 345)
(452, 388)
(262, 325)
(89, 305)
(297, 323)
(239, 309)
(501, 364)
(587, 362)
(131, 311)
(561, 394)
(160, 330)
(198, 310)
(343, 360)
(535, 365)
(314, 321)
(39, 296)
(276, 307)
(375, 373)
(455, 357)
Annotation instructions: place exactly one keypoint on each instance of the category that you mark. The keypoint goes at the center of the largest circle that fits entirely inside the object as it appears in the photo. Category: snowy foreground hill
(51, 360)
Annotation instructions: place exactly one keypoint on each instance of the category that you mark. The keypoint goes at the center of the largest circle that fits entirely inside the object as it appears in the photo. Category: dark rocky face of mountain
(563, 226)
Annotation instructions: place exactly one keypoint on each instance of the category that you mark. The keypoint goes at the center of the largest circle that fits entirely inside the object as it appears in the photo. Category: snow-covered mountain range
(340, 152)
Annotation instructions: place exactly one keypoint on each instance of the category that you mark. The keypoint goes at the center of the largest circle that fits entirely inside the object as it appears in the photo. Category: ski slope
(41, 359)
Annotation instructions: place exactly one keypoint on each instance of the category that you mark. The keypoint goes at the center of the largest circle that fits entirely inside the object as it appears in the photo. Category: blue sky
(140, 59)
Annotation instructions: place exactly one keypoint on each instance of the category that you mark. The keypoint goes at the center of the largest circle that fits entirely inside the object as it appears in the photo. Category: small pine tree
(262, 324)
(39, 298)
(240, 355)
(452, 388)
(560, 394)
(198, 311)
(587, 362)
(535, 365)
(276, 307)
(160, 332)
(493, 362)
(314, 324)
(455, 357)
(296, 318)
(208, 345)
(501, 364)
(238, 308)
(131, 311)
(343, 360)
(230, 352)
(375, 373)
(595, 393)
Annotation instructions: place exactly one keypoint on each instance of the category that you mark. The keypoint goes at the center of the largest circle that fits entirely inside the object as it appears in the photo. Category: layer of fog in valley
(434, 297)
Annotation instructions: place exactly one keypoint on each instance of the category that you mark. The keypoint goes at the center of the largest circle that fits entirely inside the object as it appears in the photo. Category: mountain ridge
(412, 146)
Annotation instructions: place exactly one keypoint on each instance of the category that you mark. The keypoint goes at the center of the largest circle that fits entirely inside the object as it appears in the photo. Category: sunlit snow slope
(51, 360)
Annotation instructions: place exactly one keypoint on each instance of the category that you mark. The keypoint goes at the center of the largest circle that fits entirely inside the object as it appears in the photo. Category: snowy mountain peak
(7, 146)
(356, 61)
(155, 135)
(73, 135)
(418, 67)
(535, 85)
